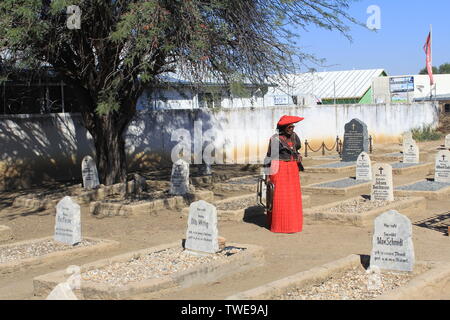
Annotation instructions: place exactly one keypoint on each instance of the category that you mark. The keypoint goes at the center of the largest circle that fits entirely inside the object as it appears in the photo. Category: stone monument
(68, 222)
(392, 245)
(382, 186)
(363, 168)
(179, 181)
(202, 233)
(411, 152)
(356, 140)
(89, 173)
(442, 167)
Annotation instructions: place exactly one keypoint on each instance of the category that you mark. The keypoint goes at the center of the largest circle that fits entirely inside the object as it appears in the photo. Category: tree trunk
(110, 149)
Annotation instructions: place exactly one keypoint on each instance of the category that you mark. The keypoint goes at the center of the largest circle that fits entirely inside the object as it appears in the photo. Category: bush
(426, 134)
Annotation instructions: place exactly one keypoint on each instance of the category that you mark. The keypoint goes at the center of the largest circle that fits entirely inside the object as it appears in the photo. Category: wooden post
(306, 148)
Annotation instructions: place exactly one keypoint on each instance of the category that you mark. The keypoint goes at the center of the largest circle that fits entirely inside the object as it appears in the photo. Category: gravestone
(202, 233)
(392, 245)
(363, 168)
(68, 222)
(356, 140)
(89, 173)
(407, 138)
(179, 181)
(382, 186)
(447, 141)
(442, 167)
(411, 152)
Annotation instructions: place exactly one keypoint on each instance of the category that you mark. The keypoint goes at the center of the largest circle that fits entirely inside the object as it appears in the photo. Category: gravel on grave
(137, 199)
(401, 165)
(74, 190)
(425, 185)
(344, 183)
(350, 285)
(237, 204)
(395, 154)
(336, 165)
(361, 205)
(250, 180)
(23, 251)
(154, 265)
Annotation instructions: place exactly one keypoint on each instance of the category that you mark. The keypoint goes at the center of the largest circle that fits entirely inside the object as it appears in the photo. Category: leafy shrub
(426, 134)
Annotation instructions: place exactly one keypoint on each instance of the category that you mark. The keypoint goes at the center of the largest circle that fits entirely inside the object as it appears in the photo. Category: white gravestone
(179, 181)
(392, 245)
(382, 186)
(68, 222)
(407, 138)
(411, 152)
(363, 168)
(442, 167)
(447, 141)
(89, 173)
(202, 232)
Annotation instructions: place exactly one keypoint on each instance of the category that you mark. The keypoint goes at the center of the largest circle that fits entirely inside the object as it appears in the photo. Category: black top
(285, 152)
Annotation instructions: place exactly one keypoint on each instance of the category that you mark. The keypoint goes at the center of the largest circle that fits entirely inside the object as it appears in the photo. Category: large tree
(124, 46)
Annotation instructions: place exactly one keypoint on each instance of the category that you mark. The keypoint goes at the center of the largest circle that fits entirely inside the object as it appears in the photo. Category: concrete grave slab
(428, 279)
(343, 187)
(400, 168)
(360, 211)
(66, 253)
(428, 189)
(245, 258)
(333, 167)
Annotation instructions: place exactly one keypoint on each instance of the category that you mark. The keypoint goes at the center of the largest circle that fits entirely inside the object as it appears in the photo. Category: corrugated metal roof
(334, 84)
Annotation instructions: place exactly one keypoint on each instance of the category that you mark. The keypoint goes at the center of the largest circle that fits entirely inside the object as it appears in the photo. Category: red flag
(427, 49)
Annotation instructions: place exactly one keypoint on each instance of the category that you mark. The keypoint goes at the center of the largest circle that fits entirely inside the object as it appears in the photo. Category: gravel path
(37, 249)
(153, 265)
(351, 285)
(336, 165)
(425, 185)
(344, 183)
(360, 205)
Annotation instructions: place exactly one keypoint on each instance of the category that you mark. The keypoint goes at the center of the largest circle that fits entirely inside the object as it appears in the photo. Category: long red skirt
(287, 210)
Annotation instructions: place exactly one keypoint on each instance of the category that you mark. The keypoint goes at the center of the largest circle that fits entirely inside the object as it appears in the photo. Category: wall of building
(39, 148)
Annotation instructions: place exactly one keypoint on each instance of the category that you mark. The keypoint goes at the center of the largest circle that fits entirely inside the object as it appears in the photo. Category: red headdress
(286, 120)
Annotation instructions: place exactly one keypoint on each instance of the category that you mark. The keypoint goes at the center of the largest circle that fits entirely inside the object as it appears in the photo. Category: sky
(396, 47)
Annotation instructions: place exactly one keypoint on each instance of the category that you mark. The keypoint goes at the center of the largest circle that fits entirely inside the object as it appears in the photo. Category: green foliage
(442, 69)
(426, 134)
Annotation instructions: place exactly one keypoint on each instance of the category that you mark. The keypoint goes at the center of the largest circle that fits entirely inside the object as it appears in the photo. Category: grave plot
(360, 211)
(249, 183)
(235, 208)
(152, 270)
(25, 254)
(348, 279)
(49, 199)
(388, 157)
(400, 168)
(333, 167)
(5, 233)
(427, 188)
(342, 187)
(145, 203)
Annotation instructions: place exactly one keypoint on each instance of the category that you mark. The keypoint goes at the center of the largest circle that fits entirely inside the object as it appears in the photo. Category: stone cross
(202, 232)
(68, 222)
(411, 153)
(382, 186)
(363, 168)
(89, 173)
(442, 167)
(392, 245)
(179, 181)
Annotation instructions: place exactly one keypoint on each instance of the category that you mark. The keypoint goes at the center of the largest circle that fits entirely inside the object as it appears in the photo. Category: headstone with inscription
(68, 222)
(411, 152)
(179, 181)
(356, 140)
(363, 168)
(392, 245)
(202, 233)
(442, 167)
(447, 141)
(382, 186)
(89, 173)
(407, 138)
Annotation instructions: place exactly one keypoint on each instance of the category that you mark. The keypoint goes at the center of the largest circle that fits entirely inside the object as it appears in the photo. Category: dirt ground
(285, 254)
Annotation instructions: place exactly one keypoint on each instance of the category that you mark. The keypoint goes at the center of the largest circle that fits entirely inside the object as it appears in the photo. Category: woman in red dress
(286, 215)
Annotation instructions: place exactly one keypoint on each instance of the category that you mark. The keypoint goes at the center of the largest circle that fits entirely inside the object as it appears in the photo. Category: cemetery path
(284, 254)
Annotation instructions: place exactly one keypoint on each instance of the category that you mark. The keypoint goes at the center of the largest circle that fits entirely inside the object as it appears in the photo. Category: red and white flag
(427, 49)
